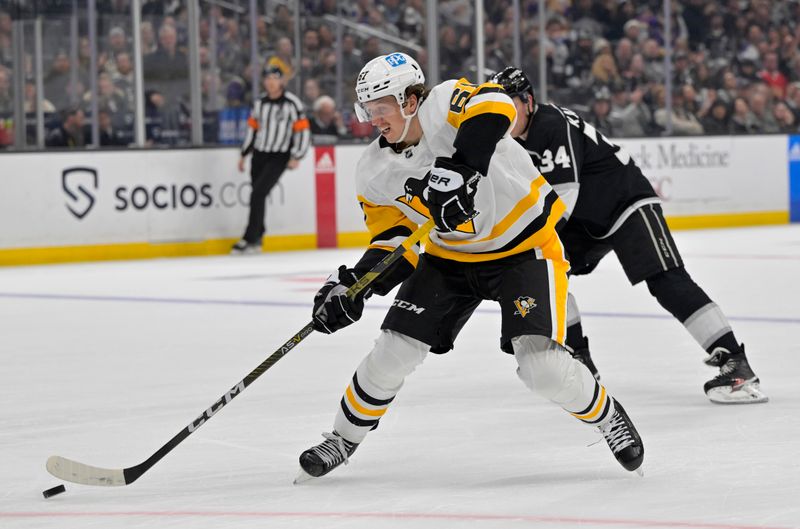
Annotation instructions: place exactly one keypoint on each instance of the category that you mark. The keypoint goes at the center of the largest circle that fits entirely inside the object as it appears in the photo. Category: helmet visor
(381, 108)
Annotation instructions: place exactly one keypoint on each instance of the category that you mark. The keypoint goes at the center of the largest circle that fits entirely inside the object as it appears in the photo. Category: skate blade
(640, 471)
(749, 393)
(302, 477)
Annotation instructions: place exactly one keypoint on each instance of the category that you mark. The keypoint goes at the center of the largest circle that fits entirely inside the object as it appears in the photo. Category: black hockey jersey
(597, 179)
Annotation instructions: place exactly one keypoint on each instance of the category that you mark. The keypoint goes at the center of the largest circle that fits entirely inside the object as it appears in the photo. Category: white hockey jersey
(517, 208)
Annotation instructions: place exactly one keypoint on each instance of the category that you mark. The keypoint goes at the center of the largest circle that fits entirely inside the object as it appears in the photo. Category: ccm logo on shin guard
(400, 304)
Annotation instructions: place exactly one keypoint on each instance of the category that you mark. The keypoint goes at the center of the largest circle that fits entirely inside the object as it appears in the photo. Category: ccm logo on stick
(214, 408)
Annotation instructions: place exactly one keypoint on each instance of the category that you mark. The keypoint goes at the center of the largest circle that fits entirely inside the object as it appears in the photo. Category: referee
(278, 135)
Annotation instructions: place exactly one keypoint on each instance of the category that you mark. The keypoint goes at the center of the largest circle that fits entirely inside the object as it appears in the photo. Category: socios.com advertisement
(144, 196)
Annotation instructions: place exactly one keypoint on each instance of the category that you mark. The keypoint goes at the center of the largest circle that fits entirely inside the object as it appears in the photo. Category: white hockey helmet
(386, 75)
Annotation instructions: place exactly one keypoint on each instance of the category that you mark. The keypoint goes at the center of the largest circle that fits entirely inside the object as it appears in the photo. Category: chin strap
(530, 120)
(408, 120)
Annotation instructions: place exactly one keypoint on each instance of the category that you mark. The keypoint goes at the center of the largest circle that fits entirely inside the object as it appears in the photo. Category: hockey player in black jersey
(612, 206)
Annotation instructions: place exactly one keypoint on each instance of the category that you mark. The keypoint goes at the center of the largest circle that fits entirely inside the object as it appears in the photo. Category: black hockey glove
(451, 193)
(333, 309)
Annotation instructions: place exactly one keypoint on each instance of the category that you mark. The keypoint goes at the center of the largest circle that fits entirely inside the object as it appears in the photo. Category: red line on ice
(391, 516)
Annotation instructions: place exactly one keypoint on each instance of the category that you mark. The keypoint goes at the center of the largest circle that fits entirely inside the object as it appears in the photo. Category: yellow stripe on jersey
(380, 219)
(598, 407)
(560, 269)
(351, 399)
(513, 216)
(544, 239)
(469, 100)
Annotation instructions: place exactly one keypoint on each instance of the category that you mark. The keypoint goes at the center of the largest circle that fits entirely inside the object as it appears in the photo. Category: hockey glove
(333, 308)
(451, 194)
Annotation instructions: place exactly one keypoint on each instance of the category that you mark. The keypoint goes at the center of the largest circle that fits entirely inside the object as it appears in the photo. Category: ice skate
(736, 382)
(242, 247)
(624, 440)
(321, 459)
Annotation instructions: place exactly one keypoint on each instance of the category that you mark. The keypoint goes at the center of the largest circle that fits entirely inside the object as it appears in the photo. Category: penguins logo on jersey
(524, 305)
(416, 198)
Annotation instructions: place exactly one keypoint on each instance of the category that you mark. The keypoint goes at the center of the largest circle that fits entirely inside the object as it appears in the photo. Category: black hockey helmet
(514, 82)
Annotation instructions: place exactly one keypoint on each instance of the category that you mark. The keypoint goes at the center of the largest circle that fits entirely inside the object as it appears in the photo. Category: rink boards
(73, 206)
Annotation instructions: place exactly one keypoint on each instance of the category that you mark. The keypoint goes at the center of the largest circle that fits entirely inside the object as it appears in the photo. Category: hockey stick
(76, 472)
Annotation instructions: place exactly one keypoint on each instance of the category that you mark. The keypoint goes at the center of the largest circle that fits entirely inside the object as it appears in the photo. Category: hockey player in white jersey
(612, 206)
(447, 155)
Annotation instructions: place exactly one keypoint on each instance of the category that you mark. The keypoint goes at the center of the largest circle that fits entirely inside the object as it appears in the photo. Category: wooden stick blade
(75, 472)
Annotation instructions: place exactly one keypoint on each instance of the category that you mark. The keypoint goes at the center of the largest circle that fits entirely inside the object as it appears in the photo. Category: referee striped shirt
(278, 125)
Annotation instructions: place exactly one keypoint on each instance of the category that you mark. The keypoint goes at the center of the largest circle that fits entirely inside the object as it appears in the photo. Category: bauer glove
(333, 308)
(451, 194)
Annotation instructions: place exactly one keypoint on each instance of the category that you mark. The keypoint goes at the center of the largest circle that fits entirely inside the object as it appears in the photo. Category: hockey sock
(683, 298)
(575, 338)
(376, 382)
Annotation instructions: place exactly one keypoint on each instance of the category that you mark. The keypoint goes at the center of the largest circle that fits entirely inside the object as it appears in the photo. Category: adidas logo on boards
(325, 164)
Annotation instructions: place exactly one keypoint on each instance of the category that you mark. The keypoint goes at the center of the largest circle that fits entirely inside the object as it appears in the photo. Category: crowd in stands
(735, 64)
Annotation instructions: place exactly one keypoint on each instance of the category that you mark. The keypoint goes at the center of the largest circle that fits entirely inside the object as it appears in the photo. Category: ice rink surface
(105, 362)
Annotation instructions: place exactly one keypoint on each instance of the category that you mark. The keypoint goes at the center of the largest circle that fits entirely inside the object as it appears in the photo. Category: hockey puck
(58, 489)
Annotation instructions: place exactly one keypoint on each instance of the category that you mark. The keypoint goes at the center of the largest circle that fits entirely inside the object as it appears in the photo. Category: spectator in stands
(326, 122)
(742, 121)
(653, 62)
(557, 51)
(785, 118)
(6, 96)
(57, 83)
(71, 132)
(30, 99)
(109, 97)
(634, 76)
(231, 53)
(117, 43)
(581, 58)
(718, 40)
(600, 111)
(167, 70)
(747, 72)
(684, 123)
(283, 23)
(352, 58)
(372, 48)
(793, 99)
(635, 31)
(681, 73)
(124, 78)
(630, 117)
(762, 111)
(109, 135)
(6, 51)
(412, 23)
(730, 87)
(772, 76)
(284, 56)
(325, 72)
(263, 40)
(449, 53)
(604, 68)
(311, 92)
(623, 54)
(233, 117)
(148, 38)
(717, 121)
(163, 122)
